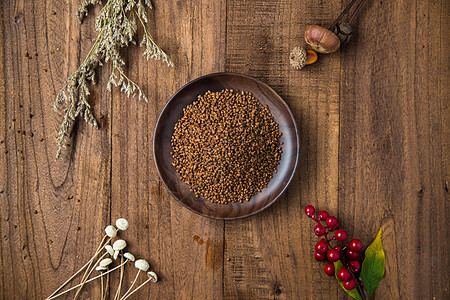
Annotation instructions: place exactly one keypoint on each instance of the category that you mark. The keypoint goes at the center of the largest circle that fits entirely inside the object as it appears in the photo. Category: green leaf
(372, 270)
(353, 293)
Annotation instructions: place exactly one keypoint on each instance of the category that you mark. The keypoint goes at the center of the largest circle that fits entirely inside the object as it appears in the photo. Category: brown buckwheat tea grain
(226, 146)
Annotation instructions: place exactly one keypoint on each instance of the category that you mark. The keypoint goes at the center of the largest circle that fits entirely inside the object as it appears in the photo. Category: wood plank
(185, 249)
(44, 201)
(393, 159)
(270, 255)
(374, 122)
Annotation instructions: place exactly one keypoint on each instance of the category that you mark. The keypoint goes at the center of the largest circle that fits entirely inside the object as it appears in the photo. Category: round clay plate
(173, 111)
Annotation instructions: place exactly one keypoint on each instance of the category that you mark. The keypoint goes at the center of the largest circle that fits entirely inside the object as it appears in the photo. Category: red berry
(322, 215)
(341, 235)
(331, 222)
(335, 227)
(349, 284)
(329, 269)
(319, 230)
(333, 255)
(321, 247)
(355, 265)
(319, 256)
(352, 254)
(355, 245)
(309, 211)
(337, 248)
(344, 274)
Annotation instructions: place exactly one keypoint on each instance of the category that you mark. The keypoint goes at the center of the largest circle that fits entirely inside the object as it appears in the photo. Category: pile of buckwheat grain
(226, 146)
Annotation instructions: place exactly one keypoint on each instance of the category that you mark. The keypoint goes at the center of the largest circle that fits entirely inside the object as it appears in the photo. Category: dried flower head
(109, 249)
(100, 268)
(129, 256)
(119, 245)
(152, 275)
(116, 25)
(105, 262)
(122, 224)
(142, 264)
(111, 231)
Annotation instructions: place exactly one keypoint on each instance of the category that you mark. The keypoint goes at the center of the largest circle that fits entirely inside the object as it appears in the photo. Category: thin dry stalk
(88, 274)
(78, 285)
(137, 289)
(76, 273)
(117, 296)
(131, 286)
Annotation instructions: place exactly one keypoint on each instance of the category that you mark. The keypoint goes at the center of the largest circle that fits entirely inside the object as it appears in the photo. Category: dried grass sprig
(116, 26)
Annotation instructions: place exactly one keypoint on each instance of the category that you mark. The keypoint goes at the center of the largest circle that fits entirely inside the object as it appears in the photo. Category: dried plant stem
(73, 276)
(347, 8)
(99, 248)
(131, 286)
(87, 276)
(136, 289)
(148, 38)
(106, 287)
(101, 284)
(355, 12)
(117, 296)
(96, 277)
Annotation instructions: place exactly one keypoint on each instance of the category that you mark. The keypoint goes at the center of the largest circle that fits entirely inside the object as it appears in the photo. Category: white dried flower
(109, 249)
(119, 245)
(152, 276)
(105, 262)
(142, 264)
(122, 224)
(116, 254)
(129, 256)
(110, 231)
(100, 268)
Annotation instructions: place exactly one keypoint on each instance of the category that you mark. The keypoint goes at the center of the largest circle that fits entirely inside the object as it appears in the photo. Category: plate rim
(297, 153)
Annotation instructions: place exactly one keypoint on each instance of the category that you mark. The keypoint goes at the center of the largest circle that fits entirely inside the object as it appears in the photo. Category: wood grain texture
(44, 201)
(193, 33)
(374, 123)
(393, 155)
(269, 253)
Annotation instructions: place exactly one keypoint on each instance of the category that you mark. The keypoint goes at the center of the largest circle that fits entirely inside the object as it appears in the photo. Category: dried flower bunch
(116, 24)
(102, 265)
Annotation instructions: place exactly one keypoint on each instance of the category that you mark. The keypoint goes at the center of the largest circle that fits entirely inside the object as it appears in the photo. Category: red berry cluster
(348, 254)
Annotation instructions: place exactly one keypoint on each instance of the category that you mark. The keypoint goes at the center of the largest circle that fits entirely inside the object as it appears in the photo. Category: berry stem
(314, 218)
(360, 287)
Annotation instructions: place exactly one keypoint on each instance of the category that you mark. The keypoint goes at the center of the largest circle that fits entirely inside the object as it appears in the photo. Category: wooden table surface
(374, 130)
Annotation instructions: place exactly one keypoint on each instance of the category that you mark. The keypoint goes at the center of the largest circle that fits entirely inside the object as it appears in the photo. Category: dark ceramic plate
(173, 111)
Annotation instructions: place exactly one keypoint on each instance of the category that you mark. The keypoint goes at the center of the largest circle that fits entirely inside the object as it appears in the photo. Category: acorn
(300, 57)
(322, 40)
